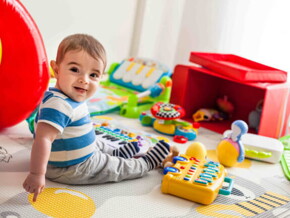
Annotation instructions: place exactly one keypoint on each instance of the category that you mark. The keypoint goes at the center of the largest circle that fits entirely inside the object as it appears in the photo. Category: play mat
(259, 190)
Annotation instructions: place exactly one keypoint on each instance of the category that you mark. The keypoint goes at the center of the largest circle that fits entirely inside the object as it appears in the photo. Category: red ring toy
(24, 72)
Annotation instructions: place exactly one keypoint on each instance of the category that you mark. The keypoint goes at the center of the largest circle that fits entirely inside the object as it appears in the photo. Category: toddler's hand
(34, 183)
(168, 161)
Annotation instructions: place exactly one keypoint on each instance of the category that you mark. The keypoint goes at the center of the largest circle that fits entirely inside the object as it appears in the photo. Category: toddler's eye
(94, 75)
(74, 69)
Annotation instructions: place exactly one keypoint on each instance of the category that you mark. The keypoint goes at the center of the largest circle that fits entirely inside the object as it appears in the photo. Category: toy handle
(229, 190)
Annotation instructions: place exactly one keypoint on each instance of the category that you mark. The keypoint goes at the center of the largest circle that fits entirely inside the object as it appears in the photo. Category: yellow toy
(231, 149)
(195, 179)
(196, 150)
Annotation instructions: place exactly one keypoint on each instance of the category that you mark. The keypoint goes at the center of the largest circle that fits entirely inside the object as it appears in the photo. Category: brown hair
(82, 42)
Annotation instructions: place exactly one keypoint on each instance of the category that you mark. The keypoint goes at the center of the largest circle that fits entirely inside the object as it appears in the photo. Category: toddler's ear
(54, 68)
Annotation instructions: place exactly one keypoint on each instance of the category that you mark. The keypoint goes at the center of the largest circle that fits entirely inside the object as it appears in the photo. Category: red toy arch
(24, 72)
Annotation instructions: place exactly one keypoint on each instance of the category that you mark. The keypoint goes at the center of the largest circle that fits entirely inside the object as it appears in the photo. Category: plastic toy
(195, 179)
(224, 110)
(205, 114)
(180, 139)
(231, 149)
(24, 67)
(197, 150)
(285, 159)
(164, 118)
(131, 109)
(255, 116)
(133, 86)
(261, 148)
(225, 105)
(114, 134)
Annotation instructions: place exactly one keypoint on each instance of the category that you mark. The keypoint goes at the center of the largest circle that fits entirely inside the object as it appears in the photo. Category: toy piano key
(140, 77)
(121, 70)
(130, 74)
(151, 78)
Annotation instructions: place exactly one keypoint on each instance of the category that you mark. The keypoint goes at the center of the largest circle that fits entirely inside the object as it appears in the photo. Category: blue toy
(231, 149)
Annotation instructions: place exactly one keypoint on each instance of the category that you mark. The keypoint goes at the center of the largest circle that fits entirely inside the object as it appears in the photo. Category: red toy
(180, 139)
(24, 72)
(225, 105)
(164, 111)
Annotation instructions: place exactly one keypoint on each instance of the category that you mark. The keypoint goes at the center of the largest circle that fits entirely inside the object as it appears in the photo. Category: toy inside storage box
(195, 88)
(238, 68)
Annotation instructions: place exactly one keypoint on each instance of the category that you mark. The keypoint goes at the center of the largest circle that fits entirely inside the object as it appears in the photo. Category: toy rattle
(231, 149)
(164, 118)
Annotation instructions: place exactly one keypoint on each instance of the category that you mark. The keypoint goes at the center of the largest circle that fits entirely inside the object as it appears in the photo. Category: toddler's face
(78, 75)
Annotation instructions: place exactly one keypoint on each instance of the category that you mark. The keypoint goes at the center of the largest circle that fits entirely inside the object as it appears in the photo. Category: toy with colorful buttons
(164, 118)
(116, 136)
(195, 179)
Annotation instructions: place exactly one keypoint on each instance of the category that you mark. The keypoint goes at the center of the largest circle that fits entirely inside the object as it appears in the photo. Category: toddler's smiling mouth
(80, 89)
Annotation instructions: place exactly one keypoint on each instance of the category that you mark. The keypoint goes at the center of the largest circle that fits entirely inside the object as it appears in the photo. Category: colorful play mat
(260, 189)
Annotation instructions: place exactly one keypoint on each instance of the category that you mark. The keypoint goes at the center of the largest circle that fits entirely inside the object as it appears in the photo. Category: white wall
(258, 30)
(171, 29)
(160, 30)
(255, 29)
(110, 21)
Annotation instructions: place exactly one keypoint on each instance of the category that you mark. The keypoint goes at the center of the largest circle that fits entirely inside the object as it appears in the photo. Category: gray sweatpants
(101, 167)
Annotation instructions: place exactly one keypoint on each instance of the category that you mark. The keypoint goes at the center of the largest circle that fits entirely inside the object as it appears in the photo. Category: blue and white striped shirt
(75, 141)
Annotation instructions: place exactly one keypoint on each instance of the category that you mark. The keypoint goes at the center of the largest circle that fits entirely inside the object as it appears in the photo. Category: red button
(180, 139)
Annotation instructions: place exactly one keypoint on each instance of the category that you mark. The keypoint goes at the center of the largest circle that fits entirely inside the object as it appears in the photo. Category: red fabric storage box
(195, 88)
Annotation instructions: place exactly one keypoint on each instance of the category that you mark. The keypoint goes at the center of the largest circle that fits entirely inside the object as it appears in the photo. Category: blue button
(178, 158)
(170, 170)
(200, 181)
